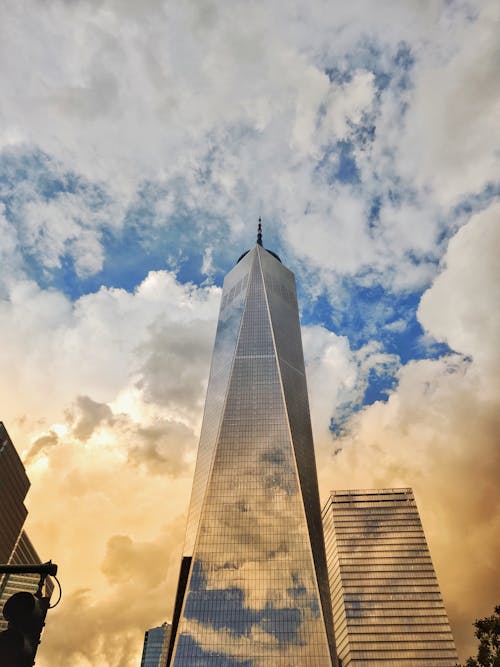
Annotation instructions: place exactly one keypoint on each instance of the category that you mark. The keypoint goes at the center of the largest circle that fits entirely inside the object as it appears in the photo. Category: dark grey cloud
(177, 358)
(162, 447)
(89, 414)
(40, 445)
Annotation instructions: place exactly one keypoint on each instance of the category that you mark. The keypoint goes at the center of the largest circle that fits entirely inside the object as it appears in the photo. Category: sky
(139, 143)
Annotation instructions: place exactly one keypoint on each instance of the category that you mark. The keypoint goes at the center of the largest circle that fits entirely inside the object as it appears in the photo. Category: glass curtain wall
(257, 591)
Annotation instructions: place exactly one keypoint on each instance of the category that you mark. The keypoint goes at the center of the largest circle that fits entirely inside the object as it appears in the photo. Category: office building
(253, 588)
(15, 546)
(156, 640)
(14, 485)
(387, 607)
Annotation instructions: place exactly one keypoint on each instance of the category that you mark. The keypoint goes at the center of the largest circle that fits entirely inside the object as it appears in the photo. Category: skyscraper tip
(259, 232)
(259, 242)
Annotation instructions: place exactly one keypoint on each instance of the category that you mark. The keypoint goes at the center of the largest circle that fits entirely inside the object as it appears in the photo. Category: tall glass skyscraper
(387, 606)
(253, 589)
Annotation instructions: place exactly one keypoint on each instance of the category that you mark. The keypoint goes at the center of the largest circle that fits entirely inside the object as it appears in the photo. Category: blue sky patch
(347, 171)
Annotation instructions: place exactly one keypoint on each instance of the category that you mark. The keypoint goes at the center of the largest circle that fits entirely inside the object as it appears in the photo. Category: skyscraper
(15, 546)
(253, 588)
(387, 606)
(155, 640)
(14, 485)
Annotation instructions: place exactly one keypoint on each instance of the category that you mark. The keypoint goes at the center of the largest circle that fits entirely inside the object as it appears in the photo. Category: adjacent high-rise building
(253, 589)
(156, 641)
(14, 485)
(15, 546)
(388, 610)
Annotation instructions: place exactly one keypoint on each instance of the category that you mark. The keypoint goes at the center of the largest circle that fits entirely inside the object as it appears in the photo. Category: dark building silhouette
(15, 546)
(253, 588)
(387, 606)
(14, 485)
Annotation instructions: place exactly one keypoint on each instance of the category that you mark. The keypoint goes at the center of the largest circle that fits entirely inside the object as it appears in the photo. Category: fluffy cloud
(54, 349)
(114, 93)
(104, 625)
(460, 309)
(331, 363)
(454, 108)
(101, 517)
(125, 487)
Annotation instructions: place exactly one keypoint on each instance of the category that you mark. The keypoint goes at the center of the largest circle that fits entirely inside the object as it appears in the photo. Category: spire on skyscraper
(259, 232)
(259, 242)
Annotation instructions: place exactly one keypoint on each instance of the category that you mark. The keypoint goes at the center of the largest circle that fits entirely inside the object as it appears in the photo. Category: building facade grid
(154, 652)
(387, 606)
(14, 485)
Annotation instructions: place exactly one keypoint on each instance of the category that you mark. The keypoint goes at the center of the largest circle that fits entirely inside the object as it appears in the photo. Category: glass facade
(155, 640)
(256, 593)
(388, 610)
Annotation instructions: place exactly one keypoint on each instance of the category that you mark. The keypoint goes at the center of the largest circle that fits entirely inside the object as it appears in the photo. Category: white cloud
(461, 308)
(332, 364)
(63, 225)
(232, 110)
(52, 215)
(452, 138)
(346, 105)
(9, 250)
(53, 350)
